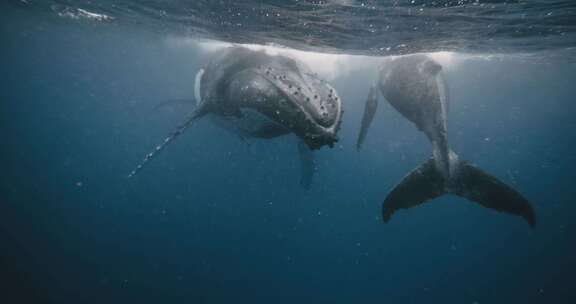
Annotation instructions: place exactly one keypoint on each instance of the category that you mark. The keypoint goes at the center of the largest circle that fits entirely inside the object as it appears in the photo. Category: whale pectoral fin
(179, 130)
(422, 184)
(369, 111)
(307, 165)
(486, 190)
(191, 102)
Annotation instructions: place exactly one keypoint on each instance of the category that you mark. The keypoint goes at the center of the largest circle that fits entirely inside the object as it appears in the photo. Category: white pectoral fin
(179, 130)
(197, 84)
(197, 113)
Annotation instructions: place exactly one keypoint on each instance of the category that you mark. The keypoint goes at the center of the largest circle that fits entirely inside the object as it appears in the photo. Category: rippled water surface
(345, 26)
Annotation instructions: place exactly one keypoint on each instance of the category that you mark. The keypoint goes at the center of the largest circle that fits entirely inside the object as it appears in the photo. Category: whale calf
(264, 96)
(415, 87)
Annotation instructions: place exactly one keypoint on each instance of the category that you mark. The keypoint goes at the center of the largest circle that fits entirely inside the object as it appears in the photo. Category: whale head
(289, 94)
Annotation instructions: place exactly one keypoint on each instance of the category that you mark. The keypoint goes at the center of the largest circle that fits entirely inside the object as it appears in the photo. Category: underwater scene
(335, 151)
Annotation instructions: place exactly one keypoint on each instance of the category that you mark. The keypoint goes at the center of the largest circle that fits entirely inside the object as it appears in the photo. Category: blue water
(217, 220)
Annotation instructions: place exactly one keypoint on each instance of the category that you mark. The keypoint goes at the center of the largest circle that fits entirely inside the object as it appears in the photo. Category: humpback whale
(415, 87)
(259, 95)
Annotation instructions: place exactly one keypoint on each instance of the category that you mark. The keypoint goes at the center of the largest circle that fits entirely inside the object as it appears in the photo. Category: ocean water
(216, 219)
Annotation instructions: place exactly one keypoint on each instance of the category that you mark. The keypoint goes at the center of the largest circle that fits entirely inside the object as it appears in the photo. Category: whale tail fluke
(179, 130)
(426, 183)
(485, 189)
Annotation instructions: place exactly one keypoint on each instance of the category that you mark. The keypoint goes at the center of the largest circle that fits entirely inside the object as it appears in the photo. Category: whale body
(415, 87)
(264, 96)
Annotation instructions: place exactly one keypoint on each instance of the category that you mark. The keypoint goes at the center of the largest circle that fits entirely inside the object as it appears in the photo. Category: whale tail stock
(197, 113)
(426, 182)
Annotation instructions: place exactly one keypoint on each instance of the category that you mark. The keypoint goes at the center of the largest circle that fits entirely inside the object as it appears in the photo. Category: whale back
(415, 87)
